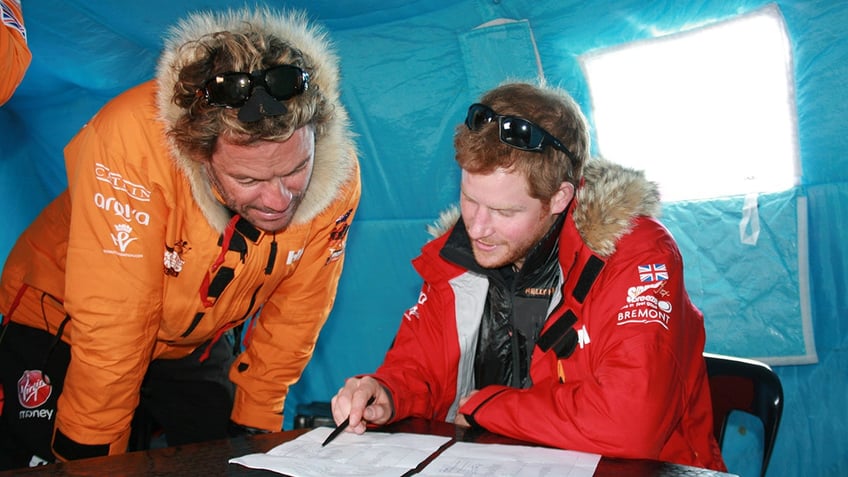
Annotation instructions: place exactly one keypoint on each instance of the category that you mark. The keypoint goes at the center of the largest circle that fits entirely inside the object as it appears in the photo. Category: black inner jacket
(516, 306)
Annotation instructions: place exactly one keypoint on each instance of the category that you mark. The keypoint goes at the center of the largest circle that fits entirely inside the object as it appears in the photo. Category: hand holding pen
(361, 401)
(342, 426)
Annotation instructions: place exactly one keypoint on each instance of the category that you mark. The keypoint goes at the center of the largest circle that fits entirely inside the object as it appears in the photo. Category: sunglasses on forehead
(233, 89)
(514, 131)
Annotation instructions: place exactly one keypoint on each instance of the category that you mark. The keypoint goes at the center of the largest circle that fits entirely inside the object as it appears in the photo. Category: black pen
(343, 425)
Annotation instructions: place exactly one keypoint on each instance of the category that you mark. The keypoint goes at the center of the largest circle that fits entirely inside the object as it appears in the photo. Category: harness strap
(53, 342)
(561, 336)
(225, 247)
(590, 272)
(215, 339)
(15, 303)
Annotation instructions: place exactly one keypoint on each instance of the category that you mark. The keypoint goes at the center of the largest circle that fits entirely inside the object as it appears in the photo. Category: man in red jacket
(553, 308)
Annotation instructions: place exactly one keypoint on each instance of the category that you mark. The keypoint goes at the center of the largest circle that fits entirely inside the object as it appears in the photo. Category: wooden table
(211, 458)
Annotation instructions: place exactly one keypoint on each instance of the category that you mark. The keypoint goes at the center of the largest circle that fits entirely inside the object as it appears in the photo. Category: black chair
(747, 385)
(313, 414)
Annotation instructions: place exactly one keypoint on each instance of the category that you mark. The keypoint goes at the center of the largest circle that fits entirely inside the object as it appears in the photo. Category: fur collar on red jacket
(607, 203)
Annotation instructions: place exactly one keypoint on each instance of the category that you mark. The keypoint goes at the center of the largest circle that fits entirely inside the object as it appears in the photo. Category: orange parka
(147, 263)
(14, 52)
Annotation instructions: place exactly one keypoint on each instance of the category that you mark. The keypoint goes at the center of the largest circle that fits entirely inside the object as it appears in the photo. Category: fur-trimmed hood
(610, 198)
(335, 155)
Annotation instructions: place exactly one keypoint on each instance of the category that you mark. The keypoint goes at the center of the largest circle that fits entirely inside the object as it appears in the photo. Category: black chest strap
(561, 335)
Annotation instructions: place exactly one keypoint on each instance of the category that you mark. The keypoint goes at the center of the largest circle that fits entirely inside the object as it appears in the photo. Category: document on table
(370, 454)
(379, 454)
(468, 459)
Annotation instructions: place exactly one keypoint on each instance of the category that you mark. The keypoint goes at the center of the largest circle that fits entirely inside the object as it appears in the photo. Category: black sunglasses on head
(233, 89)
(514, 131)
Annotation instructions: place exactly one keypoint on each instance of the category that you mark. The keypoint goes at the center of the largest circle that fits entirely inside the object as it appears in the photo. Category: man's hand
(460, 420)
(352, 401)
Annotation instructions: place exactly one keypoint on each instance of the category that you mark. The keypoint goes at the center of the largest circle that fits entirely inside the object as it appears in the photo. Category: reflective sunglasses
(233, 89)
(514, 131)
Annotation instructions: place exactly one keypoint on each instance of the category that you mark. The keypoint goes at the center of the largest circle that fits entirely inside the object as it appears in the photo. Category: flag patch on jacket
(653, 272)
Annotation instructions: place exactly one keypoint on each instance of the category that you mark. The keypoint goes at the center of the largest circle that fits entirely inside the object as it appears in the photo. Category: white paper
(490, 460)
(373, 454)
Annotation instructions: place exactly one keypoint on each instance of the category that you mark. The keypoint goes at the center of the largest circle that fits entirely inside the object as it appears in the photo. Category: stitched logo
(117, 181)
(337, 237)
(122, 238)
(122, 210)
(647, 304)
(173, 259)
(413, 312)
(653, 272)
(32, 390)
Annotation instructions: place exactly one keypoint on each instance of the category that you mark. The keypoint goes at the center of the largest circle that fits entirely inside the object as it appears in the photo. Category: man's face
(264, 182)
(502, 220)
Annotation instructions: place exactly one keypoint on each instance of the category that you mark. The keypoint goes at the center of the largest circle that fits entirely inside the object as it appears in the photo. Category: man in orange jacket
(14, 52)
(220, 191)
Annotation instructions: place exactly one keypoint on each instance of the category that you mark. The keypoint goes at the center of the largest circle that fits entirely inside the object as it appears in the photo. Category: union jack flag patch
(652, 273)
(11, 20)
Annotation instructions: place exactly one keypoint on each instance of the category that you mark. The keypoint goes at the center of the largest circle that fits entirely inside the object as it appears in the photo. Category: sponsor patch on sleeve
(337, 237)
(413, 311)
(652, 272)
(122, 238)
(648, 302)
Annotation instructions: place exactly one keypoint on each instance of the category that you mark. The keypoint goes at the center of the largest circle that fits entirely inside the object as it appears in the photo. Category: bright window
(706, 113)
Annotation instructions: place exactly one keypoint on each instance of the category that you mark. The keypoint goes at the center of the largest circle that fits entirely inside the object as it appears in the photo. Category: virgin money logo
(32, 390)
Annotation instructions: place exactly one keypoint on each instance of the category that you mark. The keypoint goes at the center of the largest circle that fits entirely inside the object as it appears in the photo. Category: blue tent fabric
(754, 294)
(410, 69)
(492, 53)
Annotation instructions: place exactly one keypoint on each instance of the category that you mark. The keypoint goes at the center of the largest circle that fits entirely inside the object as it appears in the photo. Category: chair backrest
(740, 384)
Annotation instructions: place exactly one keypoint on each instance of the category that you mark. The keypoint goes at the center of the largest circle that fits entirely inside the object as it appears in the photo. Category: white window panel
(707, 113)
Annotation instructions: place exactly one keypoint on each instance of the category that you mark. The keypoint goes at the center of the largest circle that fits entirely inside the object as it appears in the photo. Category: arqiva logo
(33, 391)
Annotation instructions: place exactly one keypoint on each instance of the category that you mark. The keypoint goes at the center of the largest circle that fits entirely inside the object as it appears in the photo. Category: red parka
(636, 384)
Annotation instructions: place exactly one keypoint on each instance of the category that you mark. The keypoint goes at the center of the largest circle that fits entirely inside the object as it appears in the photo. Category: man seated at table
(553, 308)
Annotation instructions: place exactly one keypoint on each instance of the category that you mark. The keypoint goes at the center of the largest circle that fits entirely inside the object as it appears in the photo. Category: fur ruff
(335, 155)
(608, 203)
